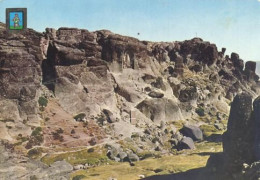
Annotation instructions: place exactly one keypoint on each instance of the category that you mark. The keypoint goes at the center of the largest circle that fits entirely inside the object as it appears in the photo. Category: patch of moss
(79, 157)
(207, 130)
(151, 166)
(35, 139)
(35, 153)
(43, 101)
(6, 120)
(80, 116)
(78, 177)
(178, 124)
(37, 131)
(200, 111)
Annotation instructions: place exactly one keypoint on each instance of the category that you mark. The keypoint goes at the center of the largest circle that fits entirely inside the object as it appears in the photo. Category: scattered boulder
(78, 167)
(193, 132)
(109, 116)
(132, 157)
(186, 143)
(123, 156)
(160, 109)
(155, 94)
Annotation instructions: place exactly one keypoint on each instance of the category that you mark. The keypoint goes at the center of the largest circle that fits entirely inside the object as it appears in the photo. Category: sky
(234, 24)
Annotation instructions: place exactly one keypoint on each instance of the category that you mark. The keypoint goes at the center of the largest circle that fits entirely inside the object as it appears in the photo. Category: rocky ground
(86, 102)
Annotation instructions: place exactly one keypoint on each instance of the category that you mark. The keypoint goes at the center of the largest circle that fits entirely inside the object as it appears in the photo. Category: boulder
(250, 71)
(238, 140)
(250, 66)
(161, 109)
(156, 94)
(109, 116)
(132, 157)
(123, 156)
(186, 143)
(187, 94)
(238, 63)
(179, 66)
(193, 132)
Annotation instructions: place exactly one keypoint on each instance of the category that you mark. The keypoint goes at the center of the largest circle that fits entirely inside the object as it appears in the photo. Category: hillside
(98, 98)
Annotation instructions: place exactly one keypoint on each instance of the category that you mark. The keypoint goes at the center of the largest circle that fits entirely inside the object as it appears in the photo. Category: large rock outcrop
(240, 141)
(20, 82)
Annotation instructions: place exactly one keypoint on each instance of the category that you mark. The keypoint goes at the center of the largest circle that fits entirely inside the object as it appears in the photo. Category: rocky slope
(71, 88)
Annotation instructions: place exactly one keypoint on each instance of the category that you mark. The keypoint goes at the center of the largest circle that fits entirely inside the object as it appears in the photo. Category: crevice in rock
(49, 75)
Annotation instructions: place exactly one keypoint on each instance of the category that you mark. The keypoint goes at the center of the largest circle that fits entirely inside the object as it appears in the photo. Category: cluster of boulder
(116, 153)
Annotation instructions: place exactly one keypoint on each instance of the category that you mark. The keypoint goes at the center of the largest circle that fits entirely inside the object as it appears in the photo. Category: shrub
(200, 111)
(37, 131)
(33, 177)
(60, 131)
(42, 101)
(80, 116)
(57, 136)
(78, 177)
(36, 138)
(34, 153)
(73, 131)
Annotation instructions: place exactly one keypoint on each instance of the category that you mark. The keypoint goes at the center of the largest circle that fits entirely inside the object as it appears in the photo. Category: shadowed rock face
(237, 140)
(20, 80)
(242, 138)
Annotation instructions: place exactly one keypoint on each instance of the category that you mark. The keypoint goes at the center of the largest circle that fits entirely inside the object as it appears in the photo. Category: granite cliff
(73, 88)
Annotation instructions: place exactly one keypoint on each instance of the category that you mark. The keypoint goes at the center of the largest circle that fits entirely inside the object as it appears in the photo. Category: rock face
(186, 143)
(20, 81)
(13, 167)
(160, 109)
(250, 71)
(241, 140)
(123, 87)
(238, 138)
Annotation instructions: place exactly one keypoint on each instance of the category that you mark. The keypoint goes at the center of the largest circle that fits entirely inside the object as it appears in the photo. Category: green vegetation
(57, 135)
(180, 162)
(33, 177)
(47, 119)
(209, 130)
(35, 153)
(79, 157)
(43, 101)
(178, 124)
(79, 177)
(37, 131)
(200, 111)
(80, 116)
(6, 120)
(35, 139)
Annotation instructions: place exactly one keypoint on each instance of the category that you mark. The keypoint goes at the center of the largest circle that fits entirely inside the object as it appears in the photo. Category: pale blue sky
(234, 24)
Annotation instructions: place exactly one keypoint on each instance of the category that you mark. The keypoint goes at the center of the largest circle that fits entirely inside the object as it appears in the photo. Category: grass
(179, 162)
(208, 130)
(178, 124)
(78, 157)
